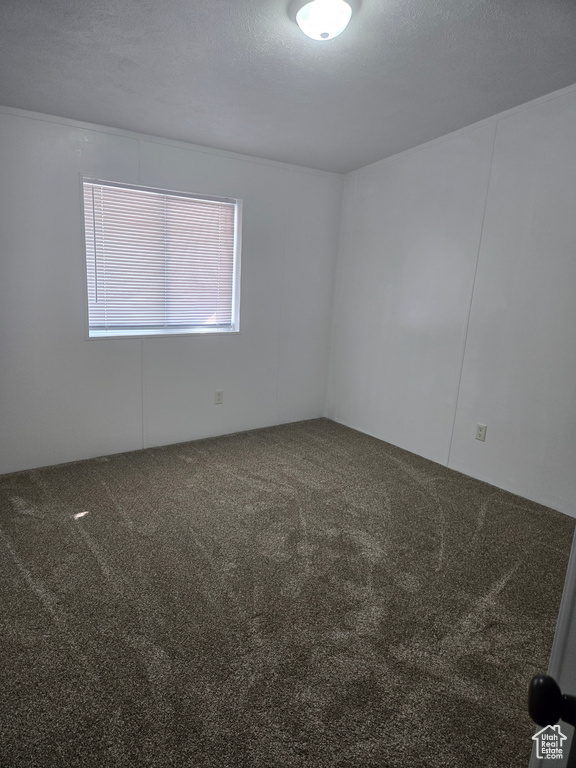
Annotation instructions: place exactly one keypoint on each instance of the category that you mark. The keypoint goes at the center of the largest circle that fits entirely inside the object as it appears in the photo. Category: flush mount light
(324, 19)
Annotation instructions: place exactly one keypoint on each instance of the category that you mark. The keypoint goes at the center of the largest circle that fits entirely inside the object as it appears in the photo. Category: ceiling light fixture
(324, 19)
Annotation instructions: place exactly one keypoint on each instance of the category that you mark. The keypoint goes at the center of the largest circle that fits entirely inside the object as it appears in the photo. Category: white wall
(64, 398)
(455, 302)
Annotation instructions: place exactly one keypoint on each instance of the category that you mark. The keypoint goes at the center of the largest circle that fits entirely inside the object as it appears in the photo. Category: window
(160, 262)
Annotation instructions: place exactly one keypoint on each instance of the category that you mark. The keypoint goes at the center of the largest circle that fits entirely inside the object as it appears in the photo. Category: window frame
(193, 331)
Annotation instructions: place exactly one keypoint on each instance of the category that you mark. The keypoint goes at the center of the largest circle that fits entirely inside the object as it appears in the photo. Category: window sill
(151, 334)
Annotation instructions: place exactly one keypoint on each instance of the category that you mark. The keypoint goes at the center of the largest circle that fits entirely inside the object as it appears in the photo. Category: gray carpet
(298, 596)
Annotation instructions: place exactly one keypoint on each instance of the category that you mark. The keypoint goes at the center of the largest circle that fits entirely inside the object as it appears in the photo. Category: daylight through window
(160, 262)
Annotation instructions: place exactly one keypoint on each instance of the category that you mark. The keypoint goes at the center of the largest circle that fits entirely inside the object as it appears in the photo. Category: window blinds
(158, 261)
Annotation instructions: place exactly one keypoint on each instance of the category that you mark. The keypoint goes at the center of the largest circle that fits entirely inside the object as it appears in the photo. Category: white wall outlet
(218, 397)
(481, 432)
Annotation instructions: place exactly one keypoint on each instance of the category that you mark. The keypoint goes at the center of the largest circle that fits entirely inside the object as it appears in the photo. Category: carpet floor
(301, 596)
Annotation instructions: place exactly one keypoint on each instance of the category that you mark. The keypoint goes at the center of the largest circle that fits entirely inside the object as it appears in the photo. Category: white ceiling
(239, 75)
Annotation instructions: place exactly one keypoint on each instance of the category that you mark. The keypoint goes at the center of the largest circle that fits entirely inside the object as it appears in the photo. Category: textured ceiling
(239, 75)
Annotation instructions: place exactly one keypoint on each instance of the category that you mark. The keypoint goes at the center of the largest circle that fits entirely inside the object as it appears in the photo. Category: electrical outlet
(481, 432)
(218, 397)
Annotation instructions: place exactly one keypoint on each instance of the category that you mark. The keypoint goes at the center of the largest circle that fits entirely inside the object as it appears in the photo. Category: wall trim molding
(143, 137)
(15, 112)
(467, 129)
